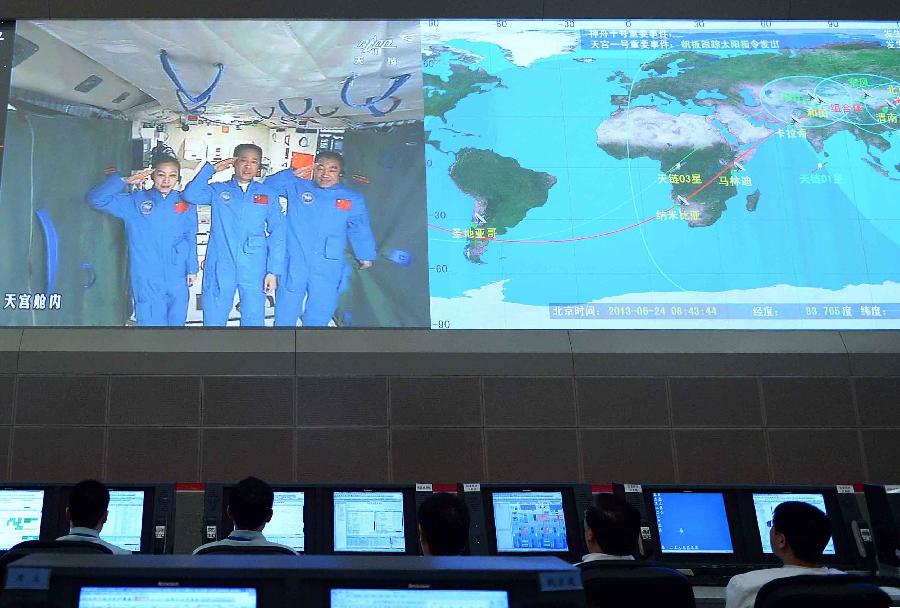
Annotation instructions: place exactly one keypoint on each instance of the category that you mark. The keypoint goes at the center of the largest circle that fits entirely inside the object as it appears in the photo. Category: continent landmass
(703, 208)
(697, 71)
(503, 191)
(441, 96)
(682, 77)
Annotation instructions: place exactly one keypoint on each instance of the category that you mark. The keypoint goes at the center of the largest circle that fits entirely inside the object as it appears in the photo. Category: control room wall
(360, 405)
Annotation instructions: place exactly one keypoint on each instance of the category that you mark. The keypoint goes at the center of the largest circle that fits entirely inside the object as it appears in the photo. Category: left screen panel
(212, 173)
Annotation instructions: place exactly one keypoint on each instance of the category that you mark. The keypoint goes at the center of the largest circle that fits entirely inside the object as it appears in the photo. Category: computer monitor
(529, 522)
(125, 523)
(417, 598)
(764, 507)
(140, 516)
(690, 522)
(21, 515)
(154, 597)
(369, 521)
(883, 503)
(292, 511)
(287, 526)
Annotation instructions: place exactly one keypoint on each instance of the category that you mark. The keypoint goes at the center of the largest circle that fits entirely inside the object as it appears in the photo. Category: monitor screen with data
(287, 526)
(418, 598)
(20, 513)
(369, 522)
(529, 522)
(451, 173)
(764, 508)
(166, 597)
(692, 522)
(124, 526)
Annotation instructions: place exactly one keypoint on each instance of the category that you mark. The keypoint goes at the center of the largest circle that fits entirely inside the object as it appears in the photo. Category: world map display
(662, 174)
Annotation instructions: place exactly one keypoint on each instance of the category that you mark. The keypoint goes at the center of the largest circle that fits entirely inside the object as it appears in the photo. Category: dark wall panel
(343, 455)
(622, 402)
(157, 454)
(57, 453)
(154, 400)
(61, 400)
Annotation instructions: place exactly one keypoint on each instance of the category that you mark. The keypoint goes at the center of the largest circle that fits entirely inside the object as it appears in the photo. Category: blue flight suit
(320, 221)
(239, 253)
(162, 247)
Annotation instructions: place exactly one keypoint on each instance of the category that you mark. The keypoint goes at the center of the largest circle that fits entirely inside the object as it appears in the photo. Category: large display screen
(125, 522)
(451, 174)
(369, 522)
(527, 522)
(764, 507)
(21, 512)
(692, 522)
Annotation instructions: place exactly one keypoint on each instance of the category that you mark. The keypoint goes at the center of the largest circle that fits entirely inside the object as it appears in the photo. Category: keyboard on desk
(712, 575)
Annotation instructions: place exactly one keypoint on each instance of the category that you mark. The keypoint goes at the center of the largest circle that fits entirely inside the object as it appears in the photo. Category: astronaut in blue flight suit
(246, 240)
(161, 229)
(322, 216)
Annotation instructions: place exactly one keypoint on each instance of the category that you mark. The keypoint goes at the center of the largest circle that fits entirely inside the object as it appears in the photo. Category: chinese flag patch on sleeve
(261, 199)
(344, 204)
(181, 207)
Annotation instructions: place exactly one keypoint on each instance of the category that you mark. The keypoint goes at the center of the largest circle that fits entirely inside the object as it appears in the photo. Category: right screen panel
(764, 506)
(662, 174)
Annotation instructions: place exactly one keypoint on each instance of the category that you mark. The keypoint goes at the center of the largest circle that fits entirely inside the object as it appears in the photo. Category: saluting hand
(139, 177)
(303, 172)
(224, 164)
(269, 284)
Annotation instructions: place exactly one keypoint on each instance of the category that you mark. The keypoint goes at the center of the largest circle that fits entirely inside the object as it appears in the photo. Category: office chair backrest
(245, 550)
(816, 591)
(634, 583)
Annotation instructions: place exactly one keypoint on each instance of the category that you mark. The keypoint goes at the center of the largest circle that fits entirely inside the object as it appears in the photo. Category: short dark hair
(806, 528)
(615, 523)
(88, 502)
(445, 524)
(245, 147)
(326, 154)
(250, 502)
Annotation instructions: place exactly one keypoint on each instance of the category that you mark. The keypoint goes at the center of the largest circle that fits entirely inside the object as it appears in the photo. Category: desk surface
(715, 596)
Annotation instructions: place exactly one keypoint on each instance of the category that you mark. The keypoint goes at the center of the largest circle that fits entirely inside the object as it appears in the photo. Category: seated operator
(799, 534)
(611, 529)
(443, 525)
(250, 508)
(87, 512)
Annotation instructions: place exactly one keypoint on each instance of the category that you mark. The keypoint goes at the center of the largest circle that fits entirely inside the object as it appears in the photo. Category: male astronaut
(246, 240)
(322, 216)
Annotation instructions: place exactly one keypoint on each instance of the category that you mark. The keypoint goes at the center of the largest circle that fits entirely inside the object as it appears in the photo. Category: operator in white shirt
(799, 534)
(88, 510)
(250, 508)
(611, 529)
